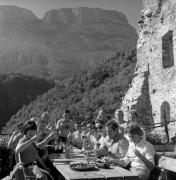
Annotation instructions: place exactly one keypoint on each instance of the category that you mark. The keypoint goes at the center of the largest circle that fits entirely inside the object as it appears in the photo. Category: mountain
(84, 93)
(16, 91)
(61, 44)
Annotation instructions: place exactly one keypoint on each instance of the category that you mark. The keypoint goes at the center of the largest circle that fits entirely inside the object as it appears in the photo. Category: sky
(131, 8)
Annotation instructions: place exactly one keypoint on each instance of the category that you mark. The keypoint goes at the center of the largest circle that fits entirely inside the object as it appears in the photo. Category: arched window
(167, 50)
(165, 116)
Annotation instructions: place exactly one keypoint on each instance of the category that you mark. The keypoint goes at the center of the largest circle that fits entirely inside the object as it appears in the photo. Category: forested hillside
(85, 93)
(17, 90)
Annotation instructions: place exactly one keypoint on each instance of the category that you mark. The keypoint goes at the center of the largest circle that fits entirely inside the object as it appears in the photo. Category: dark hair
(67, 111)
(29, 125)
(134, 129)
(112, 124)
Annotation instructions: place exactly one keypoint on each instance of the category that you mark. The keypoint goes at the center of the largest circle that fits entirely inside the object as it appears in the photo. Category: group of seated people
(124, 143)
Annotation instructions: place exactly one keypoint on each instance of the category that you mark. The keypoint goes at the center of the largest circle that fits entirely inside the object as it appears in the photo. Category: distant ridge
(63, 42)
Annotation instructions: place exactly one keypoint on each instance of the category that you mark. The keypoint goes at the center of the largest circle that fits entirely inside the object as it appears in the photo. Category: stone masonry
(155, 79)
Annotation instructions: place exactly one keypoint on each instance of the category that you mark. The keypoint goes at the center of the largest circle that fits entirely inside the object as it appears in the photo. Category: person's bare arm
(21, 146)
(46, 140)
(10, 144)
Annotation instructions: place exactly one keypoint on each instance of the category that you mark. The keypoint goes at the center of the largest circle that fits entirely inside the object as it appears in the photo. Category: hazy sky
(131, 8)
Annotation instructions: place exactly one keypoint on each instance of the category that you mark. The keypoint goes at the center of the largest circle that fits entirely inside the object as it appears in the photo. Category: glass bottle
(67, 150)
(56, 144)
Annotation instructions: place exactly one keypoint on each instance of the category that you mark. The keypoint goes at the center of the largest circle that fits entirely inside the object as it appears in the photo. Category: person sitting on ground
(141, 155)
(64, 126)
(27, 150)
(117, 144)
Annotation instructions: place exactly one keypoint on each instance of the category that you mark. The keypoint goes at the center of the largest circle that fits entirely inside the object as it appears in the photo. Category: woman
(27, 150)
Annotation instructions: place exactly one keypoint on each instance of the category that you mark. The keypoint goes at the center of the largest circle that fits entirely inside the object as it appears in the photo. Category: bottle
(60, 145)
(56, 144)
(67, 150)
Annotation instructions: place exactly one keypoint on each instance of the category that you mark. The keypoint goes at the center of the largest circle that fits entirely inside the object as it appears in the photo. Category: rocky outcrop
(77, 15)
(14, 14)
(63, 42)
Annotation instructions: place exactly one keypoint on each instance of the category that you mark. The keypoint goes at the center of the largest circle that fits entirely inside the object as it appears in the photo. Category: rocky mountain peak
(13, 14)
(84, 14)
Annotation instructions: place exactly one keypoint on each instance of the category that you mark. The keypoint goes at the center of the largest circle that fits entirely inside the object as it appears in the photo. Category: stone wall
(158, 17)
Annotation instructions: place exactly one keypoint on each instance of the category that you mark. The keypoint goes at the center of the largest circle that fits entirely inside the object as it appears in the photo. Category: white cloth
(146, 149)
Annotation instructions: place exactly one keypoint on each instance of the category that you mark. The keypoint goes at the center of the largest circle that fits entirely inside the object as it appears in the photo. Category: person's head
(45, 117)
(119, 116)
(20, 127)
(35, 119)
(77, 126)
(99, 127)
(89, 126)
(83, 126)
(112, 129)
(66, 114)
(30, 129)
(133, 116)
(135, 133)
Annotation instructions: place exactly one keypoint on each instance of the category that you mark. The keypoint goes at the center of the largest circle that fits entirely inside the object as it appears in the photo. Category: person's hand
(15, 133)
(36, 137)
(122, 163)
(137, 153)
(112, 161)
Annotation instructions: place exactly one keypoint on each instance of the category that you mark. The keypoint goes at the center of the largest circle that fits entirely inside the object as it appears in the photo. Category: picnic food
(101, 163)
(82, 166)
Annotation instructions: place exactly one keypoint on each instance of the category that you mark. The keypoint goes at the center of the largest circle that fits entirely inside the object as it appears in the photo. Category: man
(65, 125)
(77, 136)
(140, 154)
(100, 134)
(116, 144)
(119, 119)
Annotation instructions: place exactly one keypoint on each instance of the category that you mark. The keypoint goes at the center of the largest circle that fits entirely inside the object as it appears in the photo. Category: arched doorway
(165, 117)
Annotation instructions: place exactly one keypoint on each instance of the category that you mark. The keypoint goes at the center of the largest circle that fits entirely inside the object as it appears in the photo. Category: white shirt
(146, 149)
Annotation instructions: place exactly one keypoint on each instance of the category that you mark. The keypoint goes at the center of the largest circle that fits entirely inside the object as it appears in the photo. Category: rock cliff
(63, 42)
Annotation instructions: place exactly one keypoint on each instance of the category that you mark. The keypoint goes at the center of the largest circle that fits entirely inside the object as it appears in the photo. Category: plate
(82, 166)
(63, 160)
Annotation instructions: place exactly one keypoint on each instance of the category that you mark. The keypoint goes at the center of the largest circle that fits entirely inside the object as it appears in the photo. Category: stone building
(153, 89)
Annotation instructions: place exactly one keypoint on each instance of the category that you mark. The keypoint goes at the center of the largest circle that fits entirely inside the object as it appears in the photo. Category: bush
(155, 139)
(5, 160)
